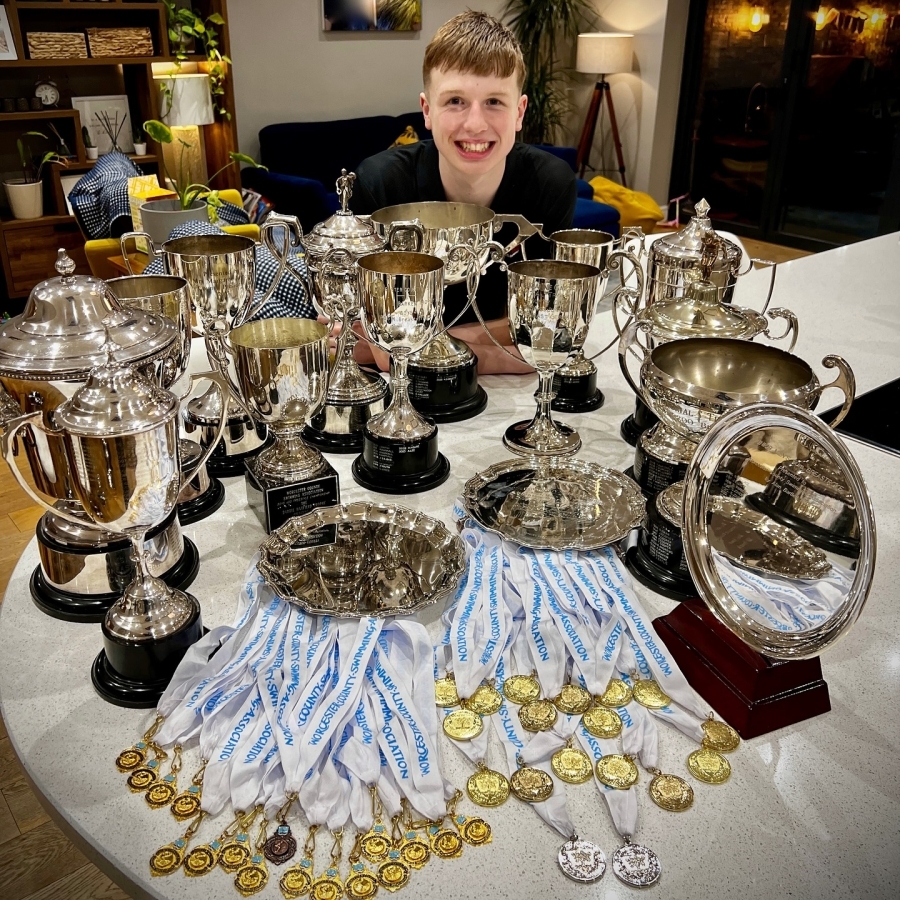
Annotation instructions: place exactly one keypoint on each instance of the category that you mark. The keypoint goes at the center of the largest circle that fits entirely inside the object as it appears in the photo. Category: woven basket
(120, 42)
(56, 45)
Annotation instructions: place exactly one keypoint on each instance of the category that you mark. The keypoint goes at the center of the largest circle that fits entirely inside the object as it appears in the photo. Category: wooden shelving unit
(28, 247)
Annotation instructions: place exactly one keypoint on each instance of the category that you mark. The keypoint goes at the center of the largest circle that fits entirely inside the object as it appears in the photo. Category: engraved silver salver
(362, 559)
(636, 865)
(582, 860)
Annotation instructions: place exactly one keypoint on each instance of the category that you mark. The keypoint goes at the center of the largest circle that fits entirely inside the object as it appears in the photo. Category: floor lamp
(609, 54)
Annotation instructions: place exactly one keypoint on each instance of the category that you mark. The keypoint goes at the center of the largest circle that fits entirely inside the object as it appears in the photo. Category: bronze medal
(538, 715)
(720, 736)
(531, 785)
(281, 846)
(602, 722)
(617, 771)
(521, 689)
(573, 700)
(487, 788)
(617, 693)
(485, 701)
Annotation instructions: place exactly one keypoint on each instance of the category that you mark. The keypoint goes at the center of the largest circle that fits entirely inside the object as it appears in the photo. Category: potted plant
(196, 201)
(89, 148)
(26, 194)
(140, 143)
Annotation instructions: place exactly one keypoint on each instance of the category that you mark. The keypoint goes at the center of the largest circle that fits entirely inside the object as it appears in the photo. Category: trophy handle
(526, 230)
(8, 442)
(405, 227)
(291, 234)
(792, 326)
(771, 264)
(218, 350)
(628, 342)
(845, 381)
(625, 296)
(336, 262)
(123, 246)
(222, 385)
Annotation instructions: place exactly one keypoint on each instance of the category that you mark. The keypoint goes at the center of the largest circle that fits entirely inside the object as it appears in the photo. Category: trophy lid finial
(344, 186)
(701, 210)
(65, 265)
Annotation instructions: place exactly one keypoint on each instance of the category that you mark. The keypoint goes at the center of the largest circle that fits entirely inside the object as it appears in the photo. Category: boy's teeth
(474, 148)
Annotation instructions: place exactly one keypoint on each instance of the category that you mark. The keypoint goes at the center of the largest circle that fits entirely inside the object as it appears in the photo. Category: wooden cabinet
(30, 247)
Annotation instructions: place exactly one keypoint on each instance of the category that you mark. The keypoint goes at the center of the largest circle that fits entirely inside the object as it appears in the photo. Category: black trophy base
(400, 467)
(658, 579)
(275, 504)
(220, 465)
(637, 423)
(466, 409)
(351, 442)
(654, 475)
(92, 608)
(136, 673)
(206, 504)
(630, 473)
(576, 393)
(818, 537)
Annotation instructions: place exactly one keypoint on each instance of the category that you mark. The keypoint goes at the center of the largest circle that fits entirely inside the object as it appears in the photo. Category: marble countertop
(811, 811)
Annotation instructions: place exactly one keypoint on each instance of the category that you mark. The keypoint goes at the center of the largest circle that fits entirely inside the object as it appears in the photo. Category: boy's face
(473, 118)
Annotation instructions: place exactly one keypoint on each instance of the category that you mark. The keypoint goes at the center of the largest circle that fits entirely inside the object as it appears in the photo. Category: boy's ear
(520, 111)
(426, 109)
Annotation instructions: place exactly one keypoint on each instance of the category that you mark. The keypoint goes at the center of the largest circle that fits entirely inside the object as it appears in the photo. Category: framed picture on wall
(104, 113)
(7, 44)
(371, 15)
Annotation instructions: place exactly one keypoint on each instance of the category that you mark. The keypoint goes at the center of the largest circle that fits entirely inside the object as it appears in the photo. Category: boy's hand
(491, 359)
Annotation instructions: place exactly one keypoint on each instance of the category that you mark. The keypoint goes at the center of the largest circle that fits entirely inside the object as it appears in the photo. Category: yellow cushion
(635, 207)
(408, 137)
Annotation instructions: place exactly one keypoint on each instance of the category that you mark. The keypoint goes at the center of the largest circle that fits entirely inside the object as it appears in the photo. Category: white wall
(286, 69)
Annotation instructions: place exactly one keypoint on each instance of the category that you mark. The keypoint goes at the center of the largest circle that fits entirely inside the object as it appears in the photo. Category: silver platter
(577, 505)
(754, 541)
(636, 865)
(582, 860)
(362, 559)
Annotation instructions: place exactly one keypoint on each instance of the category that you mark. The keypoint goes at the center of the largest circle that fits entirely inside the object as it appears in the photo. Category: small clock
(48, 92)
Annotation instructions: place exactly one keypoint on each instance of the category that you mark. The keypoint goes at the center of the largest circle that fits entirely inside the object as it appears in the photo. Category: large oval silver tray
(362, 559)
(582, 506)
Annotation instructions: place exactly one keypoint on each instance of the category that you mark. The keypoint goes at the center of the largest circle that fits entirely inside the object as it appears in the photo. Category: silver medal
(581, 860)
(636, 865)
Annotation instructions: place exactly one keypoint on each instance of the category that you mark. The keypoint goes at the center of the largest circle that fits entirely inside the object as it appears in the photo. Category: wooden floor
(36, 860)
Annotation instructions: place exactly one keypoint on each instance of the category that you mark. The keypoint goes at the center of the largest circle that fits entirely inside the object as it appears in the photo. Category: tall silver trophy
(443, 375)
(401, 306)
(121, 439)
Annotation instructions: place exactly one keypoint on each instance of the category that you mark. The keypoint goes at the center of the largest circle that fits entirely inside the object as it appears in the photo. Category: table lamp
(608, 54)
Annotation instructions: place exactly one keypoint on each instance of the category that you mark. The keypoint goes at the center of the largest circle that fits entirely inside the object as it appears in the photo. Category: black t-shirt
(535, 184)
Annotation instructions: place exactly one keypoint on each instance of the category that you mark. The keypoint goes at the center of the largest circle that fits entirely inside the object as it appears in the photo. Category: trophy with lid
(45, 355)
(353, 395)
(673, 264)
(120, 433)
(443, 375)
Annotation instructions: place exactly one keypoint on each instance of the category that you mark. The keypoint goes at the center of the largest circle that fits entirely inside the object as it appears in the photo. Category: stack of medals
(295, 712)
(597, 674)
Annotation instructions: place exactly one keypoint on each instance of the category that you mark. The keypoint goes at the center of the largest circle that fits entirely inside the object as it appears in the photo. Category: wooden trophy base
(752, 693)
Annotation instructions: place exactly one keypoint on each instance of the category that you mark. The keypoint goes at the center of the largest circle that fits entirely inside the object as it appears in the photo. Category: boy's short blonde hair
(477, 44)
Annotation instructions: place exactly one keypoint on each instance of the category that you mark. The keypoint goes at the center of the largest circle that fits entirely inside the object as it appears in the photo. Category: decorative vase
(159, 217)
(140, 149)
(91, 152)
(26, 198)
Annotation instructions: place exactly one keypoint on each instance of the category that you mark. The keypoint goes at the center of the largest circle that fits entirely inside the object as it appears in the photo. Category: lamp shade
(604, 54)
(191, 103)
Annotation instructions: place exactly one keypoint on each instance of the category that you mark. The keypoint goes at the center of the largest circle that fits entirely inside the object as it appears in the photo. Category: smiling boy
(473, 104)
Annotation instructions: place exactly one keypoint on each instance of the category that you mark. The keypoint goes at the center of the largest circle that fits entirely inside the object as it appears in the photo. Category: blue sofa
(305, 158)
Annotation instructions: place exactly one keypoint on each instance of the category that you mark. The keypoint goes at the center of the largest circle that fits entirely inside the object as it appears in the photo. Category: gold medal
(521, 689)
(414, 851)
(327, 887)
(169, 858)
(463, 725)
(132, 758)
(253, 877)
(485, 701)
(375, 844)
(531, 785)
(187, 804)
(573, 700)
(235, 853)
(362, 884)
(445, 843)
(393, 874)
(617, 693)
(202, 859)
(572, 765)
(473, 830)
(296, 880)
(602, 722)
(445, 692)
(720, 736)
(709, 766)
(650, 694)
(671, 792)
(160, 793)
(142, 777)
(538, 715)
(487, 788)
(617, 771)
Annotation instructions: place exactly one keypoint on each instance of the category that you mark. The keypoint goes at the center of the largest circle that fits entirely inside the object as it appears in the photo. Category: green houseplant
(26, 194)
(546, 31)
(90, 149)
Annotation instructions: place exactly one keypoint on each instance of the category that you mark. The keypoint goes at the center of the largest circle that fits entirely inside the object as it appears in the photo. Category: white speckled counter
(810, 812)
